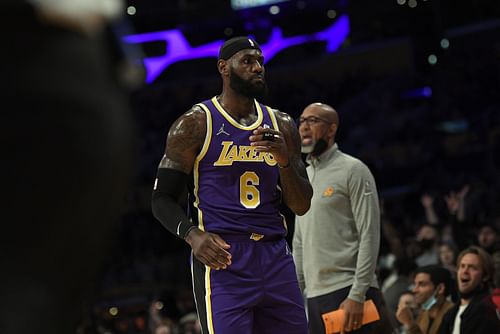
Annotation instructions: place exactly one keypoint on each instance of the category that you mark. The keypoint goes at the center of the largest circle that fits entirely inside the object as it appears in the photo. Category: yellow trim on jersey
(208, 301)
(284, 221)
(199, 157)
(201, 225)
(273, 118)
(231, 120)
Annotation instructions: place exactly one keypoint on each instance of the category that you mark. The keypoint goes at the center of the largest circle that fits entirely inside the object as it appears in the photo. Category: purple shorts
(257, 293)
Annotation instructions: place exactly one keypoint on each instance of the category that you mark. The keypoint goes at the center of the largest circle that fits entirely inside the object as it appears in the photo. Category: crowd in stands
(435, 158)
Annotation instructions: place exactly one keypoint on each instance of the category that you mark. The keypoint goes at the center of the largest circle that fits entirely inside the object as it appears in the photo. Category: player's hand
(272, 141)
(353, 315)
(209, 248)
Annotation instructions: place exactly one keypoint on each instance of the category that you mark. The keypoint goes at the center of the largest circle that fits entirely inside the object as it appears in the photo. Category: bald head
(318, 127)
(324, 111)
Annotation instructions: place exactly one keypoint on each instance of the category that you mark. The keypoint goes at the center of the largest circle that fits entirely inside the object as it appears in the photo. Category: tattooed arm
(184, 142)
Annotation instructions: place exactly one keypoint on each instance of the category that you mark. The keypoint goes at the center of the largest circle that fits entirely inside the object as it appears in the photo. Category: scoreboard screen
(245, 4)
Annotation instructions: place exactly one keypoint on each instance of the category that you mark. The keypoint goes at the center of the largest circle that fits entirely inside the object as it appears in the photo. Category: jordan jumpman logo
(222, 131)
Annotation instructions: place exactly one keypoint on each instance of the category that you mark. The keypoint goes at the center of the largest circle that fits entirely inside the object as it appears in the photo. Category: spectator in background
(190, 324)
(455, 201)
(67, 150)
(452, 225)
(336, 243)
(431, 216)
(398, 282)
(163, 329)
(406, 300)
(412, 247)
(431, 288)
(448, 257)
(475, 313)
(495, 296)
(428, 239)
(158, 322)
(462, 230)
(487, 238)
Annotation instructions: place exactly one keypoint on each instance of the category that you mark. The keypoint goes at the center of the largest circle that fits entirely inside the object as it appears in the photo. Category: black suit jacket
(479, 317)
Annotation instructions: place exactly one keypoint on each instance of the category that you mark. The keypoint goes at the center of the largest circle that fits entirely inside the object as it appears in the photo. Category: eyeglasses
(312, 120)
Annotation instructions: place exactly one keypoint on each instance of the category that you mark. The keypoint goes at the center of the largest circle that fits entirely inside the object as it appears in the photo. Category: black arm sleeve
(168, 188)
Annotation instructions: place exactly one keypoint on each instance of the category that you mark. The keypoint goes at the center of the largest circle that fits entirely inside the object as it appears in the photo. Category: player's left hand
(353, 315)
(272, 141)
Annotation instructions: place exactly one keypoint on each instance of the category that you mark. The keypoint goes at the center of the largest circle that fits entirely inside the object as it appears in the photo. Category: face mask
(315, 149)
(427, 244)
(430, 302)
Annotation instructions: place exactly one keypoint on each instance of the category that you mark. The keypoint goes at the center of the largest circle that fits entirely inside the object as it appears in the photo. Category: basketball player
(241, 159)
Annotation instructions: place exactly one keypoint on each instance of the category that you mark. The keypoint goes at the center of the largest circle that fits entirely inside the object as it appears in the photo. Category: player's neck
(241, 108)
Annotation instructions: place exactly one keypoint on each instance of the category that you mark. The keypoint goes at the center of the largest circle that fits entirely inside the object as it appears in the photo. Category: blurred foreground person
(67, 145)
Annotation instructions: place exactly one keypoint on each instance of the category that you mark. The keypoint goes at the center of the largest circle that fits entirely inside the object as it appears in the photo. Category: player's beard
(252, 89)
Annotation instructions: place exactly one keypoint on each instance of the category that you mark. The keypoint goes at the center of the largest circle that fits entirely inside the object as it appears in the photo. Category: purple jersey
(236, 188)
(237, 196)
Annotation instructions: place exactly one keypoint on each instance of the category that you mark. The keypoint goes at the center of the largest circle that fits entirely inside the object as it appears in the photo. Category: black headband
(236, 44)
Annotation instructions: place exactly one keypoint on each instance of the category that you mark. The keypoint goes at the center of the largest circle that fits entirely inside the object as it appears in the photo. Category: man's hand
(405, 316)
(353, 315)
(209, 248)
(272, 141)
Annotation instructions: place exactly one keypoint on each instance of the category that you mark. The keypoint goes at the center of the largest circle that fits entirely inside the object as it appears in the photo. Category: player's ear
(223, 67)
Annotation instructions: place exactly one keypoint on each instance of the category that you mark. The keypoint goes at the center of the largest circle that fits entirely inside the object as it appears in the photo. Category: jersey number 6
(249, 194)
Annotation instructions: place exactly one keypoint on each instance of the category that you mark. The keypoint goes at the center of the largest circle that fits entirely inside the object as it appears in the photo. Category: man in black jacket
(475, 312)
